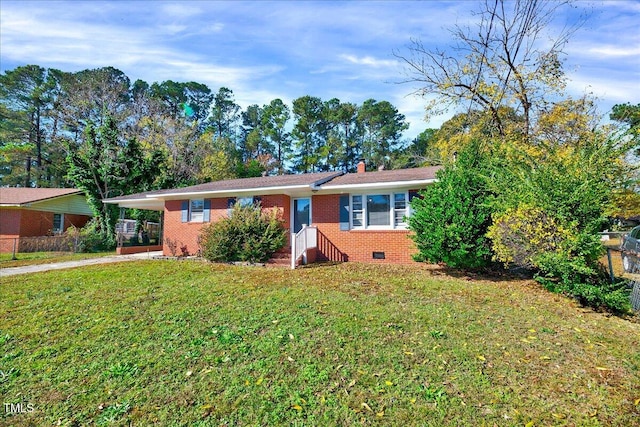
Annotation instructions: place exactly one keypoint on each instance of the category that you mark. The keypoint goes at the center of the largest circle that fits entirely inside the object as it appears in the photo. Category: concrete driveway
(12, 271)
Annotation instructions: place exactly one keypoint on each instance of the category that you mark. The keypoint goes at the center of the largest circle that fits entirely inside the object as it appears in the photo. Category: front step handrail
(301, 242)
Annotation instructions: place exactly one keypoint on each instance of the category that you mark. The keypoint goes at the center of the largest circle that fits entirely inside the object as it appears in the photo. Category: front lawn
(180, 343)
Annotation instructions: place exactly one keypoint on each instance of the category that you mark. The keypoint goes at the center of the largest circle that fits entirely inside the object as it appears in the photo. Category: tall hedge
(450, 219)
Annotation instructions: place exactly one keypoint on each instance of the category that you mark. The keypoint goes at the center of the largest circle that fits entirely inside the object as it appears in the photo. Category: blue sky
(264, 50)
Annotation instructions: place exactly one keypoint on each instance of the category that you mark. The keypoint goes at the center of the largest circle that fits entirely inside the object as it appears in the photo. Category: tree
(252, 143)
(307, 132)
(628, 115)
(275, 116)
(191, 100)
(91, 96)
(28, 127)
(506, 61)
(104, 166)
(224, 114)
(420, 152)
(382, 127)
(345, 134)
(451, 217)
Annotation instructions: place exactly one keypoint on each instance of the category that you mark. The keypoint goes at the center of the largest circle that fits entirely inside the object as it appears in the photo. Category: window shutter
(344, 212)
(231, 202)
(185, 211)
(206, 216)
(257, 200)
(413, 194)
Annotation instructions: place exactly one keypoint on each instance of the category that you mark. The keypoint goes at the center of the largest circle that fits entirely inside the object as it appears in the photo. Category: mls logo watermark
(18, 408)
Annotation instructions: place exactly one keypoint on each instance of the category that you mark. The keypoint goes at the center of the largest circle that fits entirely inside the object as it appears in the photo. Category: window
(58, 223)
(399, 209)
(357, 212)
(379, 210)
(242, 202)
(196, 210)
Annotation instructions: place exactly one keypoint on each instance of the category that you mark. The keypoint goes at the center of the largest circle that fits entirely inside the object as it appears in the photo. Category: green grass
(31, 258)
(179, 343)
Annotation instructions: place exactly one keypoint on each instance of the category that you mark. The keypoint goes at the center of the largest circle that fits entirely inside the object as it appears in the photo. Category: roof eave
(254, 191)
(377, 186)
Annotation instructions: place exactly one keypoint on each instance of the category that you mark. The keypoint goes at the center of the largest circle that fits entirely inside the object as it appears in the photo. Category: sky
(263, 50)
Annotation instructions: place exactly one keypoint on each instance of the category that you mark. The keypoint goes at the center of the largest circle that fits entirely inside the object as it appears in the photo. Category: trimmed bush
(249, 234)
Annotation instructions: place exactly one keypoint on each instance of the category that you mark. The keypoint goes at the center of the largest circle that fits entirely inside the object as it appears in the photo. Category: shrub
(451, 218)
(520, 235)
(89, 238)
(575, 273)
(564, 259)
(249, 234)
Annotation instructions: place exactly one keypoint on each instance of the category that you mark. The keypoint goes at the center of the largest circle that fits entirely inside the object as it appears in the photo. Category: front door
(301, 213)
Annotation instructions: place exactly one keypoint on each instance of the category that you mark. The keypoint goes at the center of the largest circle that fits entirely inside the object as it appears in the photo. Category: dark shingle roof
(22, 195)
(257, 183)
(278, 181)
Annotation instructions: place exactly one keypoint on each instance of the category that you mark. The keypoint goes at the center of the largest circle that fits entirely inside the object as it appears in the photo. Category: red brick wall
(77, 221)
(356, 245)
(30, 223)
(335, 245)
(186, 233)
(35, 223)
(9, 228)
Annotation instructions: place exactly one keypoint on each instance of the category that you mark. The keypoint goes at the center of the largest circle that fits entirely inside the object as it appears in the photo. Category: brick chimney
(361, 166)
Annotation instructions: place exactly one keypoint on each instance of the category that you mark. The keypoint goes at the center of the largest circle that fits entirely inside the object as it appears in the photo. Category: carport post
(13, 255)
(613, 279)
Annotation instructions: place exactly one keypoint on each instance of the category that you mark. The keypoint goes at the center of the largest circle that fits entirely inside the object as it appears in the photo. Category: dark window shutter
(257, 200)
(185, 211)
(413, 194)
(344, 212)
(231, 202)
(206, 216)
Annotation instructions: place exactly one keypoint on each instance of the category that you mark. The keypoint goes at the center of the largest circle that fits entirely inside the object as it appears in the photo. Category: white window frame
(53, 225)
(196, 215)
(393, 225)
(402, 223)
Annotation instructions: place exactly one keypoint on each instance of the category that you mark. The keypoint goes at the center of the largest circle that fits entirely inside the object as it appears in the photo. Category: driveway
(12, 271)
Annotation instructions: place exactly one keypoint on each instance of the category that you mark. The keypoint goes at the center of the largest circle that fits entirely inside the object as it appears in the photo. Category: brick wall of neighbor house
(356, 245)
(35, 223)
(30, 223)
(9, 228)
(186, 233)
(39, 223)
(77, 221)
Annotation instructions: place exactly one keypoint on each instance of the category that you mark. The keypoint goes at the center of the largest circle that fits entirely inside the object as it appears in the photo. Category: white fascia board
(376, 186)
(10, 205)
(117, 202)
(148, 204)
(252, 191)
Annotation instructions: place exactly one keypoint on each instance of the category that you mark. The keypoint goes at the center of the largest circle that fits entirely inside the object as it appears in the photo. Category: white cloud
(369, 61)
(613, 51)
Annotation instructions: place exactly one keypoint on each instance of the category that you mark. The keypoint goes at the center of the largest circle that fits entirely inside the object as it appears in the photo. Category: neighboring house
(32, 212)
(359, 216)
